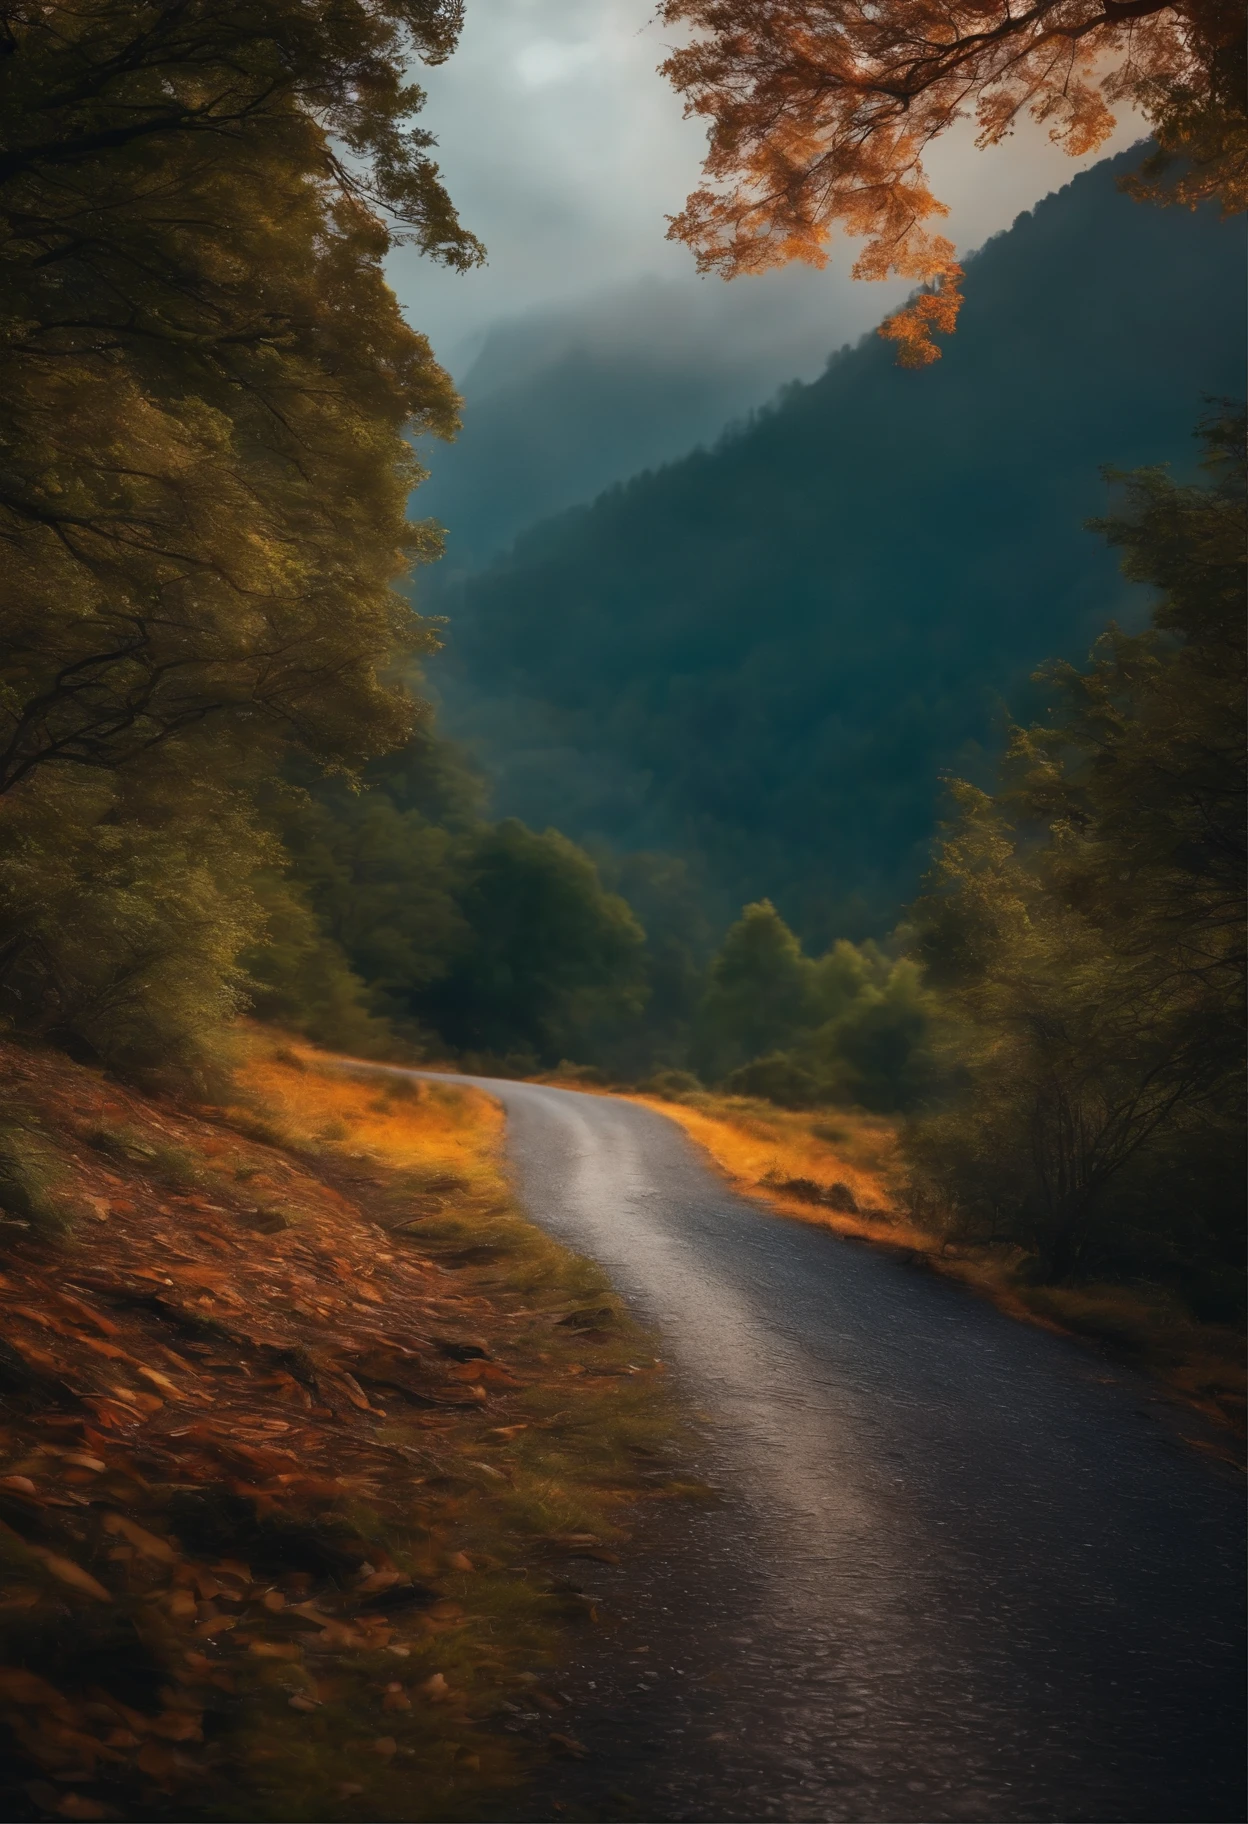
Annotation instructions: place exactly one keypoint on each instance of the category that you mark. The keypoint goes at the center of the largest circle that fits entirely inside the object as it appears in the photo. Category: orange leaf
(177, 1726)
(78, 1805)
(147, 1543)
(73, 1574)
(18, 1686)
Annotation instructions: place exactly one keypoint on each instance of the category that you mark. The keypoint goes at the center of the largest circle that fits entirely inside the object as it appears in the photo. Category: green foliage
(671, 1085)
(851, 1027)
(123, 915)
(406, 918)
(207, 380)
(666, 899)
(760, 992)
(298, 977)
(549, 953)
(1085, 931)
(779, 1079)
(33, 1178)
(875, 1049)
(208, 393)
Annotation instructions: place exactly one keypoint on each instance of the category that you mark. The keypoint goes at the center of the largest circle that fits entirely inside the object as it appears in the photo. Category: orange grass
(407, 1122)
(756, 1147)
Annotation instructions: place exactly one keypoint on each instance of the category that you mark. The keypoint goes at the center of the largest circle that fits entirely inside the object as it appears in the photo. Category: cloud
(565, 151)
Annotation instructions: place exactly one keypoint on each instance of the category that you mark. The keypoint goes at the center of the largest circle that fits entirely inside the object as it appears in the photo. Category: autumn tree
(820, 112)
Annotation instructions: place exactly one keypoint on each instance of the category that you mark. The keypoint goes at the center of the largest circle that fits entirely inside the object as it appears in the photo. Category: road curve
(962, 1569)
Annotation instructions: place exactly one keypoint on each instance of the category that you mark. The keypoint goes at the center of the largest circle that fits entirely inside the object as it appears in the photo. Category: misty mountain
(561, 403)
(763, 657)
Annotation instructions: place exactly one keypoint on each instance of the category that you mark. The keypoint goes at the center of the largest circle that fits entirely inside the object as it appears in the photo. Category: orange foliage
(820, 112)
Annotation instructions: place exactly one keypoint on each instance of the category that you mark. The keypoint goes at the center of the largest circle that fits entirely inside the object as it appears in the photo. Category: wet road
(962, 1569)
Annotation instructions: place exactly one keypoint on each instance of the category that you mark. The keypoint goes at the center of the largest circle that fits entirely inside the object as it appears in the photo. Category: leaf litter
(278, 1503)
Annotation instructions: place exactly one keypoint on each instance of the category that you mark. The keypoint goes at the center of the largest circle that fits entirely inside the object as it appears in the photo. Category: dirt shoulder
(303, 1430)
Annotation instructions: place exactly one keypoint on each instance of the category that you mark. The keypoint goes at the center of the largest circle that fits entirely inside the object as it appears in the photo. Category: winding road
(960, 1567)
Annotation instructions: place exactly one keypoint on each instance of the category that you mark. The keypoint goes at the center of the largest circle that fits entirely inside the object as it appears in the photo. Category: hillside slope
(296, 1435)
(763, 656)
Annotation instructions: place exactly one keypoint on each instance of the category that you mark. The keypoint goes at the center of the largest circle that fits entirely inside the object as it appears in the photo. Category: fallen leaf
(80, 1308)
(145, 1542)
(21, 1687)
(216, 1624)
(435, 1689)
(78, 1805)
(459, 1561)
(177, 1726)
(110, 1351)
(66, 1571)
(385, 1744)
(21, 1484)
(568, 1745)
(159, 1763)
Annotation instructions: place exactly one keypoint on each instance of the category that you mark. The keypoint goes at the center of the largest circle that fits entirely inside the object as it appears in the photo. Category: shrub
(777, 1079)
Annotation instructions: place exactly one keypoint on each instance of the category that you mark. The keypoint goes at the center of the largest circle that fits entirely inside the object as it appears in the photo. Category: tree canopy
(207, 380)
(820, 112)
(205, 468)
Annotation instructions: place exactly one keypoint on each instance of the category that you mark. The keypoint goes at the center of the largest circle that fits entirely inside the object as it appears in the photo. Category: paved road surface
(962, 1568)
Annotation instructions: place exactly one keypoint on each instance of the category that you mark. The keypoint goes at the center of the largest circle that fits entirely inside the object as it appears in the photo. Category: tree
(1085, 927)
(821, 111)
(759, 994)
(208, 392)
(203, 465)
(547, 953)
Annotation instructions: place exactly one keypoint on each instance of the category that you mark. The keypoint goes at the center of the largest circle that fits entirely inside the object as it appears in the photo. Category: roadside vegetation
(305, 1435)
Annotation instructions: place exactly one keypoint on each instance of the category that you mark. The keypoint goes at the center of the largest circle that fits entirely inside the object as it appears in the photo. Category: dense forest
(762, 658)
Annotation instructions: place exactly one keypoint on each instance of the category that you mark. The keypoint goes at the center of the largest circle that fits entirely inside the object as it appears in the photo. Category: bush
(777, 1079)
(671, 1085)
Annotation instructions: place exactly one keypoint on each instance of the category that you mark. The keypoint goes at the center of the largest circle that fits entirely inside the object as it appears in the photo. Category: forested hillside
(763, 657)
(564, 402)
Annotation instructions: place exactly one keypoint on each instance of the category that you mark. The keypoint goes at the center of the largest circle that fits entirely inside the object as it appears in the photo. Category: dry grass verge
(842, 1170)
(302, 1431)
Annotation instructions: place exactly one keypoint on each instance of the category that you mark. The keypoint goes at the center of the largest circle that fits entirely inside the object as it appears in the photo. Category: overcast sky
(564, 151)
